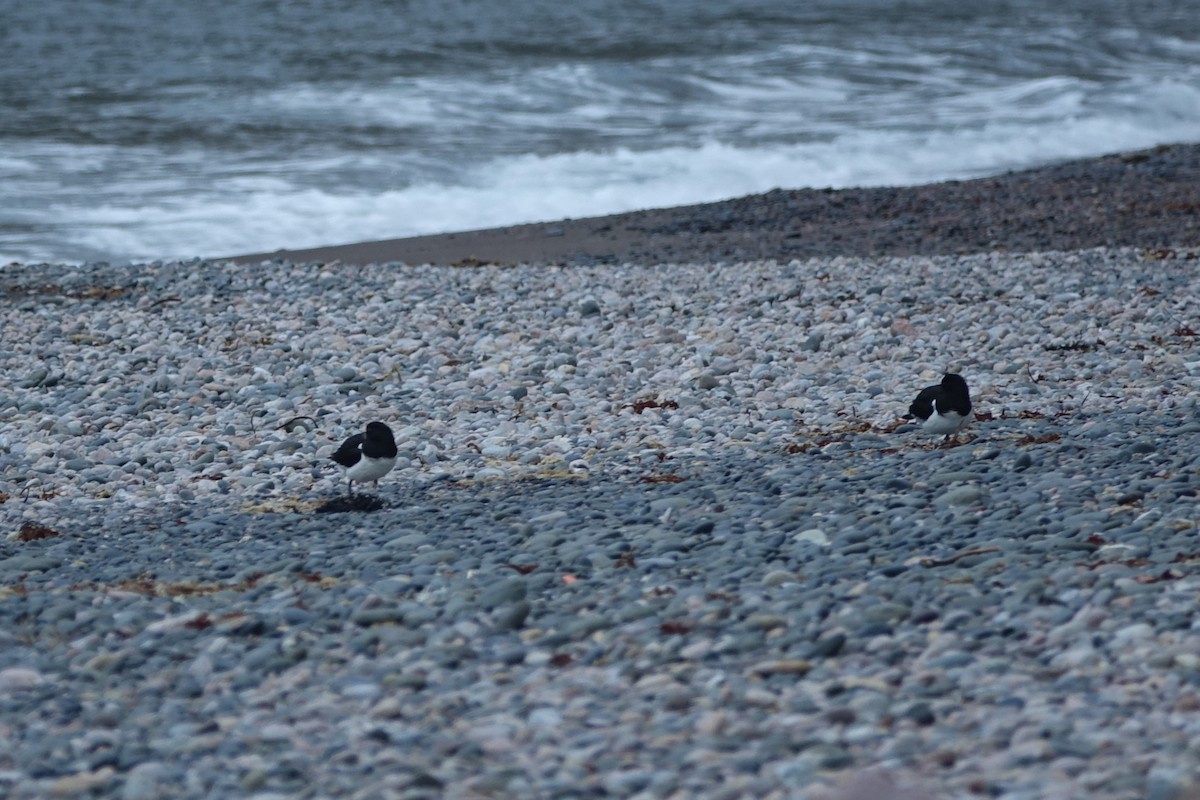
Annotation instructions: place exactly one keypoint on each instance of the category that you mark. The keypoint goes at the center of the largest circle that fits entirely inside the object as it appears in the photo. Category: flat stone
(960, 496)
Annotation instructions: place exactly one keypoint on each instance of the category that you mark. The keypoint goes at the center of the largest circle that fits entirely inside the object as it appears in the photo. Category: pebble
(626, 550)
(960, 496)
(14, 679)
(813, 536)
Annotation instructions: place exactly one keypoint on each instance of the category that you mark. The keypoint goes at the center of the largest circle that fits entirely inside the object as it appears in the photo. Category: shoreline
(1146, 198)
(651, 531)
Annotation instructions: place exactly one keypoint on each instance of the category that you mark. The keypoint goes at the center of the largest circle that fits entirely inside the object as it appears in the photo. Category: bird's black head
(377, 431)
(954, 382)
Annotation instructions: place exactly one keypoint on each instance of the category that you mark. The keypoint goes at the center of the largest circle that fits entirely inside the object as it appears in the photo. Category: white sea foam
(269, 213)
(189, 202)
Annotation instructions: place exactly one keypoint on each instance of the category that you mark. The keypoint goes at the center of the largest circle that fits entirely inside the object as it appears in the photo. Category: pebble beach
(655, 530)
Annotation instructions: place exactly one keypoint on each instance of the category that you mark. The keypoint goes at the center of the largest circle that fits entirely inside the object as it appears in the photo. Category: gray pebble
(960, 496)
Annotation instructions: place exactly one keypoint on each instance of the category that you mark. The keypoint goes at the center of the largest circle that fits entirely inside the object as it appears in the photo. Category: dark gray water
(152, 129)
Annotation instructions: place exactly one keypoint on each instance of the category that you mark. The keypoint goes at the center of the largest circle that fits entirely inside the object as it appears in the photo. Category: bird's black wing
(350, 452)
(946, 403)
(379, 446)
(922, 407)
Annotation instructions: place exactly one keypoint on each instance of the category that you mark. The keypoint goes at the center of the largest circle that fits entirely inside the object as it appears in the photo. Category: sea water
(156, 129)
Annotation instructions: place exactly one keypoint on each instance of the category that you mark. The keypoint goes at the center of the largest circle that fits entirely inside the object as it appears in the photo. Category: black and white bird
(944, 408)
(367, 456)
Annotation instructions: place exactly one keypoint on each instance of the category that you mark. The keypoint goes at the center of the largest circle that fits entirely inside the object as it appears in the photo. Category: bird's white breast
(946, 423)
(370, 469)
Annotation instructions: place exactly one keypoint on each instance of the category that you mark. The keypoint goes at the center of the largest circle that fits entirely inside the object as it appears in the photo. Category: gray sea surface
(153, 129)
